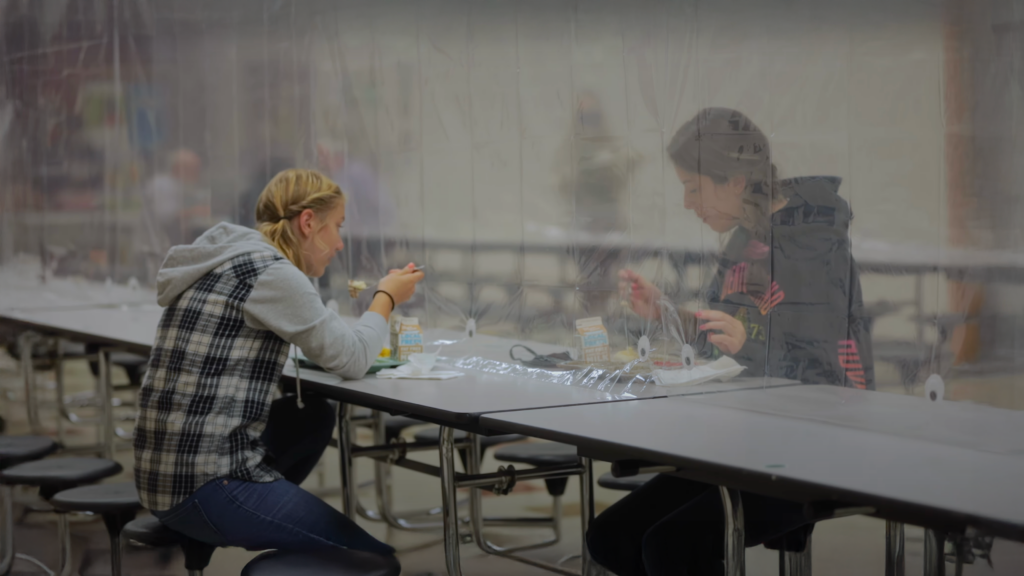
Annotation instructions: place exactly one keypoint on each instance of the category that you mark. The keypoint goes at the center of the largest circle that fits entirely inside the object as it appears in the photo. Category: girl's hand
(730, 334)
(643, 297)
(401, 284)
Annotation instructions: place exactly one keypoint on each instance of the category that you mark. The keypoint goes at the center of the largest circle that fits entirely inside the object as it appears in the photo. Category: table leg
(64, 567)
(934, 553)
(795, 563)
(449, 501)
(735, 552)
(25, 342)
(348, 484)
(586, 513)
(7, 535)
(106, 406)
(894, 562)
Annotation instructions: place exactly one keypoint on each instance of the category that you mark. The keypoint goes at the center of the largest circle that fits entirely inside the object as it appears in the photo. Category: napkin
(411, 372)
(722, 369)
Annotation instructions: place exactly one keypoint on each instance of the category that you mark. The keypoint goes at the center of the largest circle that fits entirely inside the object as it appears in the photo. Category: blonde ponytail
(287, 195)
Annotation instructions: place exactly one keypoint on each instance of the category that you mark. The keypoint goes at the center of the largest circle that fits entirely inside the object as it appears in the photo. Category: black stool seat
(434, 435)
(67, 472)
(628, 483)
(17, 449)
(537, 454)
(329, 562)
(151, 532)
(394, 425)
(99, 498)
(127, 359)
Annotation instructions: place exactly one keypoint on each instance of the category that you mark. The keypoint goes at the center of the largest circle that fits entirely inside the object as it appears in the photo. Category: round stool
(16, 450)
(151, 532)
(541, 454)
(328, 562)
(117, 503)
(52, 476)
(628, 483)
(434, 435)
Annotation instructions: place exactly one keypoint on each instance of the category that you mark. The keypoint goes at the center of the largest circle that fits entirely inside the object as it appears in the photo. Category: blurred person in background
(172, 207)
(371, 211)
(595, 179)
(258, 181)
(785, 302)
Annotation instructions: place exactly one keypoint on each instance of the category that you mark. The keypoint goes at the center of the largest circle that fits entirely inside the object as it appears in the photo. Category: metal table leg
(106, 404)
(894, 562)
(586, 513)
(934, 553)
(7, 534)
(349, 496)
(795, 563)
(735, 552)
(449, 501)
(25, 342)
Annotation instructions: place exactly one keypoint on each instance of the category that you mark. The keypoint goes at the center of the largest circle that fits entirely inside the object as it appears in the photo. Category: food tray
(377, 366)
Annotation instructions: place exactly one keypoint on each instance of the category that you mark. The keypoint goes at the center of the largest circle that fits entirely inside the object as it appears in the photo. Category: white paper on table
(722, 369)
(411, 372)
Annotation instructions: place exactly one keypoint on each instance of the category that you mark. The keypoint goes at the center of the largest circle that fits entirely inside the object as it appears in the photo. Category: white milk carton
(406, 337)
(593, 339)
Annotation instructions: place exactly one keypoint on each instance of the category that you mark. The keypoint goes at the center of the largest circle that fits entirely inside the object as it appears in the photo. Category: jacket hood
(186, 264)
(814, 201)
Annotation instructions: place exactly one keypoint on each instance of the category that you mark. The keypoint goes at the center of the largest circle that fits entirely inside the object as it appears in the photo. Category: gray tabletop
(461, 401)
(811, 443)
(67, 293)
(130, 328)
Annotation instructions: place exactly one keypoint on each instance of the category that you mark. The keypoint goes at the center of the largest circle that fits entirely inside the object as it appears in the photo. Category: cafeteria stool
(51, 476)
(327, 562)
(627, 483)
(434, 435)
(151, 532)
(16, 450)
(541, 454)
(117, 503)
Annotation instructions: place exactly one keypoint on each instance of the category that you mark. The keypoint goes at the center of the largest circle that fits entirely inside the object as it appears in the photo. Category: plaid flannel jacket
(205, 399)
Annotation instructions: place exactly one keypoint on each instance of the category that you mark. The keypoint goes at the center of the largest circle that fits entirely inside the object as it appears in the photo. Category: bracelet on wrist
(390, 297)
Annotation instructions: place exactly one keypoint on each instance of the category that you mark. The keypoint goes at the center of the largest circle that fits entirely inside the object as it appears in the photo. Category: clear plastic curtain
(520, 151)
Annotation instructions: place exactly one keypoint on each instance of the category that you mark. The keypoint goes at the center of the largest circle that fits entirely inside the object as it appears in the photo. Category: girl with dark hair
(784, 302)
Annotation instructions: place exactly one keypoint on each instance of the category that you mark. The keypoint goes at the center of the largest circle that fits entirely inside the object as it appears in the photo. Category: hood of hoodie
(186, 264)
(815, 220)
(813, 200)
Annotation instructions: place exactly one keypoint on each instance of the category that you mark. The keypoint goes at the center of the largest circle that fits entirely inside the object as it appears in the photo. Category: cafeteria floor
(850, 546)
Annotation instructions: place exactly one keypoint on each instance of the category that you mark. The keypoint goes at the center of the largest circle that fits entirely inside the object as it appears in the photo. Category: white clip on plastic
(643, 348)
(934, 388)
(689, 358)
(470, 328)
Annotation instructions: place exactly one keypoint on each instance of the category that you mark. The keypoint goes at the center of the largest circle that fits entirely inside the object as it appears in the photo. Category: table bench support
(934, 553)
(795, 563)
(735, 551)
(449, 502)
(894, 561)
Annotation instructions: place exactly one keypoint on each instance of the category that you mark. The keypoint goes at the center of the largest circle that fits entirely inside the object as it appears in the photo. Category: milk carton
(593, 339)
(406, 337)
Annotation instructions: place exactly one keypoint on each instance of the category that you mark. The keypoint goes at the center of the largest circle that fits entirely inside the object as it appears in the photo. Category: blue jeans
(275, 515)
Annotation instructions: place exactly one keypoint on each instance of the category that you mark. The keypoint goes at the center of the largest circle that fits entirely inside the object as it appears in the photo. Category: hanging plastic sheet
(852, 206)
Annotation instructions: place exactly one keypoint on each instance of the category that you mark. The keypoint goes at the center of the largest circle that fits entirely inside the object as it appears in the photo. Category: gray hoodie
(283, 301)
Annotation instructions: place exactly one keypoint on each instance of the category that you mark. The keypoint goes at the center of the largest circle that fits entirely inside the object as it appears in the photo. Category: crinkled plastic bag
(723, 369)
